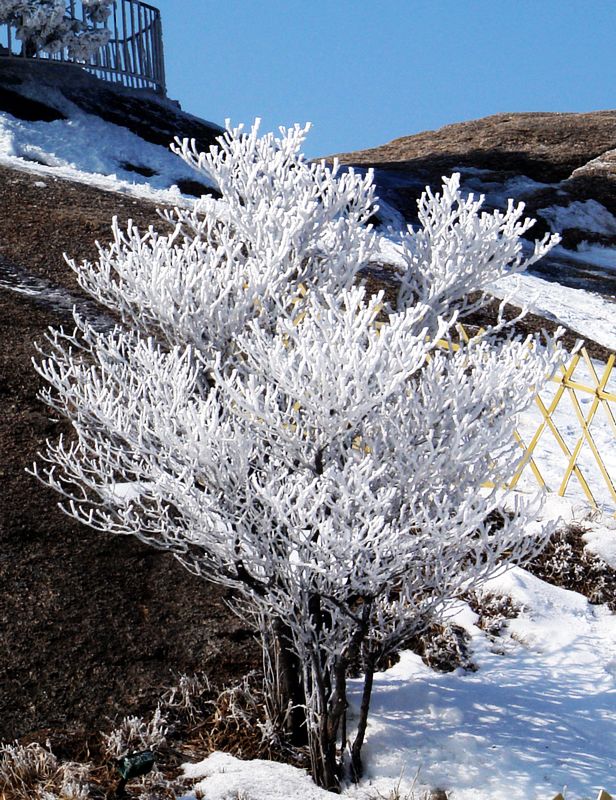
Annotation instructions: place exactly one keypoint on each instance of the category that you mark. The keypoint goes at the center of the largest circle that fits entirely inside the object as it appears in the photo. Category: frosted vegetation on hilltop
(283, 433)
(46, 25)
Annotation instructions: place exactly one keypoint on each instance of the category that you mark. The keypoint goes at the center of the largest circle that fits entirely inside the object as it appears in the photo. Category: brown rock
(543, 146)
(568, 157)
(595, 180)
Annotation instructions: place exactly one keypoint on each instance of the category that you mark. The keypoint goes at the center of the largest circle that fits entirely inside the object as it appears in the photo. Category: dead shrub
(566, 563)
(32, 772)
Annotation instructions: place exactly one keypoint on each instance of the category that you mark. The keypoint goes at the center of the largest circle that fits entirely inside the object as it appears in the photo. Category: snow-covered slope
(58, 120)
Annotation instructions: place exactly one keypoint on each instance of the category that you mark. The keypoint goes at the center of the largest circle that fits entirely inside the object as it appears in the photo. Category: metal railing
(133, 55)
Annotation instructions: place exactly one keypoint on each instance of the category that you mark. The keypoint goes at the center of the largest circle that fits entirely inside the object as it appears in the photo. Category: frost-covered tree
(257, 413)
(48, 25)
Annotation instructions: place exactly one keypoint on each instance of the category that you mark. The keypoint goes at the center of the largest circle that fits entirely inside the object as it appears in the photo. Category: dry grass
(566, 563)
(32, 772)
(191, 720)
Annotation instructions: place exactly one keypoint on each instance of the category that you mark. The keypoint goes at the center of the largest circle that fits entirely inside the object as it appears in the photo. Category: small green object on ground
(135, 765)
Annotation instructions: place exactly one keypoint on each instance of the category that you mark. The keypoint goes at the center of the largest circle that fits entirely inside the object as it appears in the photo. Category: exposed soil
(91, 626)
(42, 218)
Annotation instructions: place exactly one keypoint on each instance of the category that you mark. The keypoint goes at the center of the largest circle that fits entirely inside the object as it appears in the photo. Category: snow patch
(225, 777)
(586, 313)
(588, 215)
(601, 541)
(64, 149)
(593, 254)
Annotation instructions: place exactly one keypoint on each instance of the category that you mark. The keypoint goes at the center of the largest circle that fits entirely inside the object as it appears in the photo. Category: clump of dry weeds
(565, 562)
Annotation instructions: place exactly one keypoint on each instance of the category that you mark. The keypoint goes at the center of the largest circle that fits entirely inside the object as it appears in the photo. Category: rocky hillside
(90, 627)
(563, 166)
(544, 146)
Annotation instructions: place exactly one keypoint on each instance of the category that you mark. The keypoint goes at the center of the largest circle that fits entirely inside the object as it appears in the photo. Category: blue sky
(365, 72)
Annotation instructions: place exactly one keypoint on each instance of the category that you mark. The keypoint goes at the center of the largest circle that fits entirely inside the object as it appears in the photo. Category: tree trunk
(334, 729)
(356, 765)
(292, 685)
(28, 48)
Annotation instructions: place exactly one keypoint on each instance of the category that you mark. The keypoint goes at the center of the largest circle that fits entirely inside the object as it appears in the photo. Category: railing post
(116, 38)
(158, 58)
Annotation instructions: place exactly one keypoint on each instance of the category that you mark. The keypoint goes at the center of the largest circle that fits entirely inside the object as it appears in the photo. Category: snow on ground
(64, 149)
(596, 255)
(587, 215)
(601, 540)
(498, 192)
(536, 716)
(584, 312)
(534, 719)
(225, 777)
(548, 454)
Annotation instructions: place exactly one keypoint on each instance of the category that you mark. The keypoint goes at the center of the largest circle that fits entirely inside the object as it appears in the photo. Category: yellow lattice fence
(594, 403)
(572, 434)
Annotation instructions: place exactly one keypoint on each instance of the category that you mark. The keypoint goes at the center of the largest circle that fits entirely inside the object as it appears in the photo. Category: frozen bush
(134, 734)
(188, 697)
(281, 432)
(46, 25)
